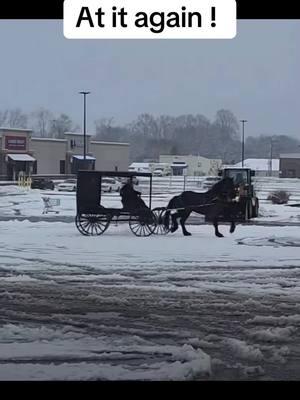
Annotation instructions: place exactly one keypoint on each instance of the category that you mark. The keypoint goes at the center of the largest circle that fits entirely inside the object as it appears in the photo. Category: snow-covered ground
(157, 308)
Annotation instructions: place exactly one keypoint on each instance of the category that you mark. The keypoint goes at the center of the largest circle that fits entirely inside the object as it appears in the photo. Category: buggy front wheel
(92, 224)
(142, 224)
(160, 228)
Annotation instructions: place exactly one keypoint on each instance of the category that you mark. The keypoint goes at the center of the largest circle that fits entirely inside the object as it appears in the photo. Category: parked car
(139, 169)
(158, 172)
(209, 182)
(42, 183)
(111, 185)
(69, 185)
(162, 169)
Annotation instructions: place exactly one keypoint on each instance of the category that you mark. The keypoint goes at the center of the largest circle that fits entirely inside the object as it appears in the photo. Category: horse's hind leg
(174, 226)
(182, 223)
(217, 233)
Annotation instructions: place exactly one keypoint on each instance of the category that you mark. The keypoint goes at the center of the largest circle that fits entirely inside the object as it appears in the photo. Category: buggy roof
(121, 174)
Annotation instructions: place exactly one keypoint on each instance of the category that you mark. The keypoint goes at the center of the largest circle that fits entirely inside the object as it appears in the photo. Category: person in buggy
(131, 198)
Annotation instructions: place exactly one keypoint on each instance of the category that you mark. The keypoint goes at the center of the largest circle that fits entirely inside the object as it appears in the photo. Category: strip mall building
(20, 153)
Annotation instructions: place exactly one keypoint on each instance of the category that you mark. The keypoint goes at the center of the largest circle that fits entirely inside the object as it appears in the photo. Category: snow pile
(273, 334)
(183, 363)
(21, 333)
(243, 350)
(276, 321)
(279, 354)
(253, 372)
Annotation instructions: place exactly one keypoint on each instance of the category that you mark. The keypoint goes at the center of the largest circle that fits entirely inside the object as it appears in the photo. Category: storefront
(22, 154)
(19, 165)
(16, 159)
(289, 165)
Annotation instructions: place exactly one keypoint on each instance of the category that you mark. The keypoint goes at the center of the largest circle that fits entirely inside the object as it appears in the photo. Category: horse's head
(225, 189)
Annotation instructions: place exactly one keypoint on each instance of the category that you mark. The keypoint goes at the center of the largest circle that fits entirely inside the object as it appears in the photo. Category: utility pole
(271, 156)
(84, 124)
(243, 121)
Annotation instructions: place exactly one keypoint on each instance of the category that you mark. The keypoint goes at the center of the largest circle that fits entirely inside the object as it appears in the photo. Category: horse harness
(214, 201)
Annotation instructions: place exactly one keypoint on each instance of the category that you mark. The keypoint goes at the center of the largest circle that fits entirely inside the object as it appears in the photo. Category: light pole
(271, 156)
(243, 140)
(84, 123)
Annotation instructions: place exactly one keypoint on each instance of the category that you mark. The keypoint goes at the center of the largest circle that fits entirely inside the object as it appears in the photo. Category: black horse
(214, 203)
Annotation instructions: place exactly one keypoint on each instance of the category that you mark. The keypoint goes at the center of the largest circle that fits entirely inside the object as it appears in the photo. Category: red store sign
(15, 143)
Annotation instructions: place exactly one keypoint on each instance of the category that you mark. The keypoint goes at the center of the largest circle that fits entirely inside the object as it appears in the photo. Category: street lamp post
(271, 155)
(243, 140)
(84, 123)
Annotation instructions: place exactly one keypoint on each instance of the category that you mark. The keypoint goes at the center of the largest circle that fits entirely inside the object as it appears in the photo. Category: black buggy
(92, 218)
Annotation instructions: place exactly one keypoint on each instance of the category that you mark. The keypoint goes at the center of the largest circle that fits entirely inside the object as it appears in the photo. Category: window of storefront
(62, 167)
(34, 167)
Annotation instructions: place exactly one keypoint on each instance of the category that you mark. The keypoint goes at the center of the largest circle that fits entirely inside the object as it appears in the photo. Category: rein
(199, 205)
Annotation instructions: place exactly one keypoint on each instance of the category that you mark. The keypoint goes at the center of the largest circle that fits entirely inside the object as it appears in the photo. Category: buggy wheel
(142, 224)
(160, 228)
(92, 224)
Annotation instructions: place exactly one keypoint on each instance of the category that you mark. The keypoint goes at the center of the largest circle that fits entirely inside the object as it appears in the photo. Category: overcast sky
(255, 75)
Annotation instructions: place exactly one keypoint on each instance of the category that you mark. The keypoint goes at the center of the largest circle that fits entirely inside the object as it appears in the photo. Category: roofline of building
(189, 155)
(110, 143)
(289, 155)
(264, 158)
(48, 139)
(77, 134)
(4, 128)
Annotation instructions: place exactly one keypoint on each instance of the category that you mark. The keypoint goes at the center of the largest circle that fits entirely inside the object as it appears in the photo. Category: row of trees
(42, 122)
(151, 136)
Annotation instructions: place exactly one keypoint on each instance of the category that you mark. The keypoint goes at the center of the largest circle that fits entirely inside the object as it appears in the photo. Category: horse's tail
(166, 219)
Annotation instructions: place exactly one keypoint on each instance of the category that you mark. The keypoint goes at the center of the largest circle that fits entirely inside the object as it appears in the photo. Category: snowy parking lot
(119, 307)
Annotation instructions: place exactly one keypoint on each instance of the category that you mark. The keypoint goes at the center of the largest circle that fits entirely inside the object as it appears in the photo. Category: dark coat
(131, 198)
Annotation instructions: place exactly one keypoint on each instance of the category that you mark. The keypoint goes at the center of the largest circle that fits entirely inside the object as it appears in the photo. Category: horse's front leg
(231, 216)
(182, 223)
(232, 226)
(216, 225)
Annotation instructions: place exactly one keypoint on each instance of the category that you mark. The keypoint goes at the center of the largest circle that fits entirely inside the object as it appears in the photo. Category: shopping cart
(50, 205)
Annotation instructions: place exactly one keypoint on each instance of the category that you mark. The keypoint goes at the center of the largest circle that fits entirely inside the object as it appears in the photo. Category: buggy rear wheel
(92, 224)
(160, 228)
(143, 223)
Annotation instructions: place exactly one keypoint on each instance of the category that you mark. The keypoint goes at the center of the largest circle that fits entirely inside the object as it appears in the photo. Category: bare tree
(3, 117)
(260, 146)
(41, 122)
(61, 125)
(103, 127)
(13, 118)
(17, 119)
(145, 126)
(228, 124)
